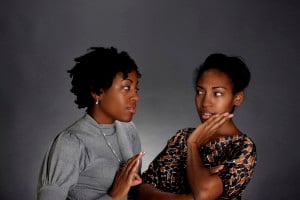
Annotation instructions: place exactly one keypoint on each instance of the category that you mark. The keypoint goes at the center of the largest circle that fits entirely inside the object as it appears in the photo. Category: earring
(97, 101)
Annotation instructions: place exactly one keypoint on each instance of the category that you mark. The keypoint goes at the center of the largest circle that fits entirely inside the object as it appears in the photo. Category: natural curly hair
(234, 67)
(96, 70)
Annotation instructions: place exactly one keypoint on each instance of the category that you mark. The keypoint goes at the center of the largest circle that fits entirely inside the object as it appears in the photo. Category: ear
(238, 98)
(97, 96)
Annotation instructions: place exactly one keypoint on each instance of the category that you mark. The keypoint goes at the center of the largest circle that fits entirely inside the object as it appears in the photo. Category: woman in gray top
(98, 156)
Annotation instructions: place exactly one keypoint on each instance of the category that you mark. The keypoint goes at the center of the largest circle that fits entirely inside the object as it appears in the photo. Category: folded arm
(204, 184)
(149, 192)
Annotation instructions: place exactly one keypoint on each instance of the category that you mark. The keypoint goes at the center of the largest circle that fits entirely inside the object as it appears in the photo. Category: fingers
(135, 157)
(126, 177)
(216, 169)
(130, 167)
(206, 130)
(216, 121)
(136, 180)
(134, 161)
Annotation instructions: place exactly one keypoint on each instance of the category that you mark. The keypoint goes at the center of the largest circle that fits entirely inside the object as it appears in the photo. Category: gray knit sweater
(80, 165)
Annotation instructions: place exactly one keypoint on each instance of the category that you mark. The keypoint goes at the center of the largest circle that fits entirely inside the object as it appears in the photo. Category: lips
(132, 110)
(206, 115)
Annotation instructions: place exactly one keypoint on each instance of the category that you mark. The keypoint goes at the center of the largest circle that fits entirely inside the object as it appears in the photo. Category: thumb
(136, 180)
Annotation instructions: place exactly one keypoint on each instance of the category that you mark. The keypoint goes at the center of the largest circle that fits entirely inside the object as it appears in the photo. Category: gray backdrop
(167, 39)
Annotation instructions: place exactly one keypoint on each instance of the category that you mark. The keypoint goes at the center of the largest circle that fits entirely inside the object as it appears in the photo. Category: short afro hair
(96, 70)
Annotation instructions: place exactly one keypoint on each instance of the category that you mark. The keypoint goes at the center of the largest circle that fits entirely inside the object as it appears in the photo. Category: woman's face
(119, 101)
(214, 94)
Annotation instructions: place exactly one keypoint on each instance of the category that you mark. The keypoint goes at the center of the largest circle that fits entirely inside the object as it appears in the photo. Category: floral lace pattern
(167, 171)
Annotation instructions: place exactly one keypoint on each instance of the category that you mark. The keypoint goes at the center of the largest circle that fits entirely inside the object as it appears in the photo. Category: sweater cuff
(51, 192)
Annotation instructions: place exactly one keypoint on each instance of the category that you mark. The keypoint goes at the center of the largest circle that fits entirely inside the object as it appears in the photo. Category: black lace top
(167, 171)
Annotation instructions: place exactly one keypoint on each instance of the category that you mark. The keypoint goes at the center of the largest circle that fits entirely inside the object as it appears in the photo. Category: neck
(107, 129)
(228, 129)
(98, 116)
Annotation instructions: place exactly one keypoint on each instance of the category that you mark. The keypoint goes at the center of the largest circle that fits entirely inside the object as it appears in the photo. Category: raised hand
(205, 131)
(126, 177)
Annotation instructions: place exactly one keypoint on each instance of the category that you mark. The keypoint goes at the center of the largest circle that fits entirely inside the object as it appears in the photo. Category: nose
(135, 97)
(206, 100)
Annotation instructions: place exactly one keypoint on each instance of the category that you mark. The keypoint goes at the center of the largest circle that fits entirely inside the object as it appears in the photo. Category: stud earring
(97, 101)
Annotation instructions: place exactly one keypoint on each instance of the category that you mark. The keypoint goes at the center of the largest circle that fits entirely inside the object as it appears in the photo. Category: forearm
(203, 183)
(148, 192)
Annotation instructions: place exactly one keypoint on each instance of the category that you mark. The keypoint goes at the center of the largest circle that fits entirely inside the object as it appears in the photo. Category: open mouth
(206, 115)
(132, 110)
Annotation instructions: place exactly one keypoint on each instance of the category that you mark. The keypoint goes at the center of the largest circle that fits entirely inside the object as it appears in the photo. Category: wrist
(188, 197)
(193, 146)
(115, 196)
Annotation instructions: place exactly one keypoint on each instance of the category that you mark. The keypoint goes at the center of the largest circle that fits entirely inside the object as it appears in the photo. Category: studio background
(168, 39)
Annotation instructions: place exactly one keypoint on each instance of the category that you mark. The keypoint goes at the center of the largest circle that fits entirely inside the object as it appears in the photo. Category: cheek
(229, 106)
(198, 104)
(111, 103)
(197, 101)
(119, 101)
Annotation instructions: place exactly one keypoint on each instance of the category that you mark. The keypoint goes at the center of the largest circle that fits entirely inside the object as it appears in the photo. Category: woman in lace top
(215, 160)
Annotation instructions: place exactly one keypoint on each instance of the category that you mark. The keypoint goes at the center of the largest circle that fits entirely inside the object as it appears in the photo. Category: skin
(215, 102)
(214, 96)
(119, 103)
(148, 192)
(126, 177)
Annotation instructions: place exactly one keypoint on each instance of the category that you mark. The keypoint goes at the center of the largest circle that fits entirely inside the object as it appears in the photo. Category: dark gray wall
(168, 39)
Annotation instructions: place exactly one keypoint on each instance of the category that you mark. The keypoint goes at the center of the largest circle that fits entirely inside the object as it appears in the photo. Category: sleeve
(60, 168)
(239, 169)
(167, 171)
(151, 175)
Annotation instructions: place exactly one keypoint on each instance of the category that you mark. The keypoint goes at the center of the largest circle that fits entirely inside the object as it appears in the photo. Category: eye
(127, 88)
(199, 92)
(218, 94)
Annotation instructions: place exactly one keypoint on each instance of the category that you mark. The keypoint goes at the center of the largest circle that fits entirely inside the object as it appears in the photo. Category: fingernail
(230, 116)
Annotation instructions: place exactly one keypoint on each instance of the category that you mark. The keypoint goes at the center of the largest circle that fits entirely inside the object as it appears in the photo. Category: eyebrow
(215, 87)
(128, 79)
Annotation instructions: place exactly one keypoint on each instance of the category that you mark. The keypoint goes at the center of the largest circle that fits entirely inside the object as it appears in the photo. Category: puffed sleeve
(239, 169)
(153, 173)
(167, 171)
(60, 168)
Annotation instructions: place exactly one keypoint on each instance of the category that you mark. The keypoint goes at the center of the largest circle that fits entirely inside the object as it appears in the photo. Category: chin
(203, 120)
(125, 119)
